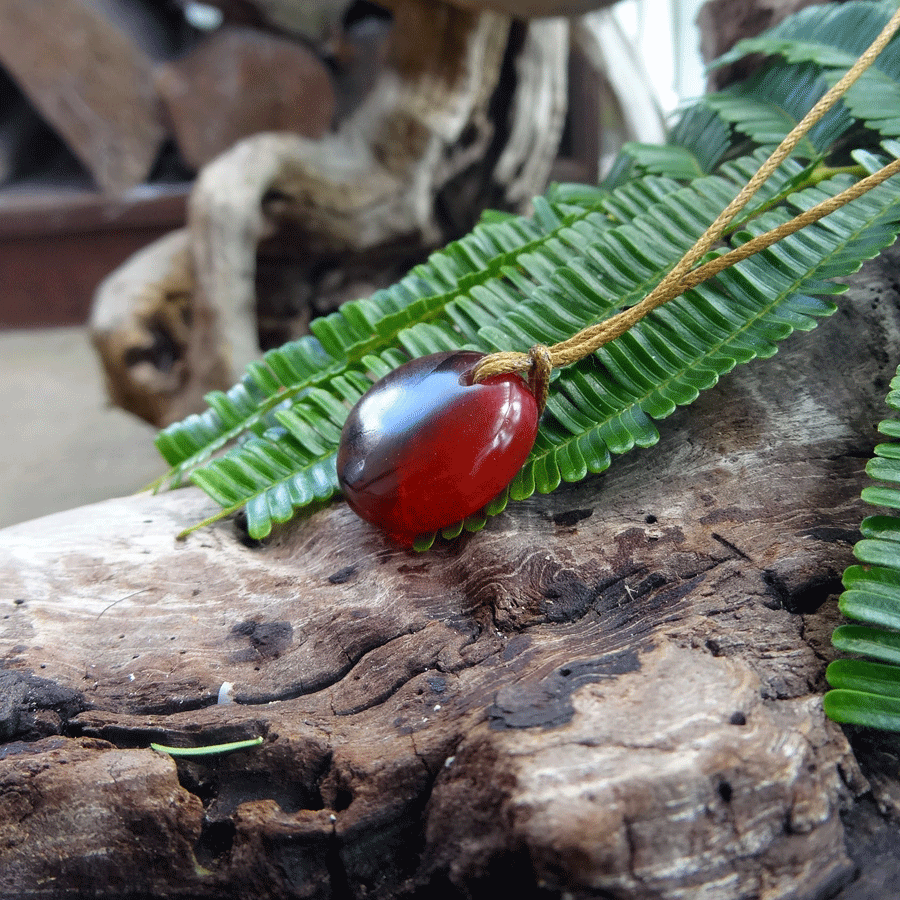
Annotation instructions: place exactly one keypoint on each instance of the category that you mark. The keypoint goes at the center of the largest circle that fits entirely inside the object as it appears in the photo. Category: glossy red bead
(425, 447)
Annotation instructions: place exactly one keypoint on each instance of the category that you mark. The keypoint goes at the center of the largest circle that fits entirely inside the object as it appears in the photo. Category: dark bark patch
(216, 841)
(24, 694)
(267, 640)
(547, 704)
(342, 576)
(566, 599)
(803, 597)
(28, 748)
(834, 535)
(517, 644)
(237, 787)
(725, 791)
(873, 843)
(571, 517)
(637, 608)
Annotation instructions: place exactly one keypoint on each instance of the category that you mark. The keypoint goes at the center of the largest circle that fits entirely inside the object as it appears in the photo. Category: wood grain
(614, 689)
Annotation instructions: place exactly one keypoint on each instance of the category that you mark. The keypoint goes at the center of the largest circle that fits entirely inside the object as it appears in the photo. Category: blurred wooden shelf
(57, 245)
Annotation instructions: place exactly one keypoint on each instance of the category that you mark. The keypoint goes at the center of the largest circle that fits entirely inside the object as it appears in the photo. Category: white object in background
(203, 16)
(665, 36)
(609, 51)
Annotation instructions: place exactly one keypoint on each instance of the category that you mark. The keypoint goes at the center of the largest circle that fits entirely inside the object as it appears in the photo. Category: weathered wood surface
(611, 691)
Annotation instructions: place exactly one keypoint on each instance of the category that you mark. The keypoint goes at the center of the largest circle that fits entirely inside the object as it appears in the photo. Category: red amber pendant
(425, 447)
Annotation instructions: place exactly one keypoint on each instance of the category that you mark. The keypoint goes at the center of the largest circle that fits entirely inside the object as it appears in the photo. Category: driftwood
(412, 166)
(614, 690)
(239, 82)
(91, 80)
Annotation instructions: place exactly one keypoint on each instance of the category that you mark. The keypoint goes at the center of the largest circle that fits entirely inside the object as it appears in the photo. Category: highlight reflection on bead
(425, 447)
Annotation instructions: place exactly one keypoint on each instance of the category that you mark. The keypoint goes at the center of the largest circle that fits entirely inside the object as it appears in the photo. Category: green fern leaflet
(867, 691)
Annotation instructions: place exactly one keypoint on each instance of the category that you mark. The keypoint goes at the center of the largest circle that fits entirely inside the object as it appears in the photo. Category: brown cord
(813, 214)
(680, 279)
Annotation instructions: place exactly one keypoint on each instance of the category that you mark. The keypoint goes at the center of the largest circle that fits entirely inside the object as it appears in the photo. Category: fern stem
(762, 241)
(823, 173)
(216, 517)
(817, 174)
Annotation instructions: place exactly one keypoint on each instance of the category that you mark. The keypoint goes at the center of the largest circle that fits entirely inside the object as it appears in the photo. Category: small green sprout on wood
(209, 750)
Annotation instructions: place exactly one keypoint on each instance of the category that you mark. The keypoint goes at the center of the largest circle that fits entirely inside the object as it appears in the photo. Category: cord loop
(540, 367)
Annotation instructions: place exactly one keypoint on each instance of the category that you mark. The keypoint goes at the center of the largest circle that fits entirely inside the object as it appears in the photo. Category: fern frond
(696, 144)
(345, 337)
(589, 269)
(600, 406)
(867, 691)
(772, 101)
(764, 108)
(831, 37)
